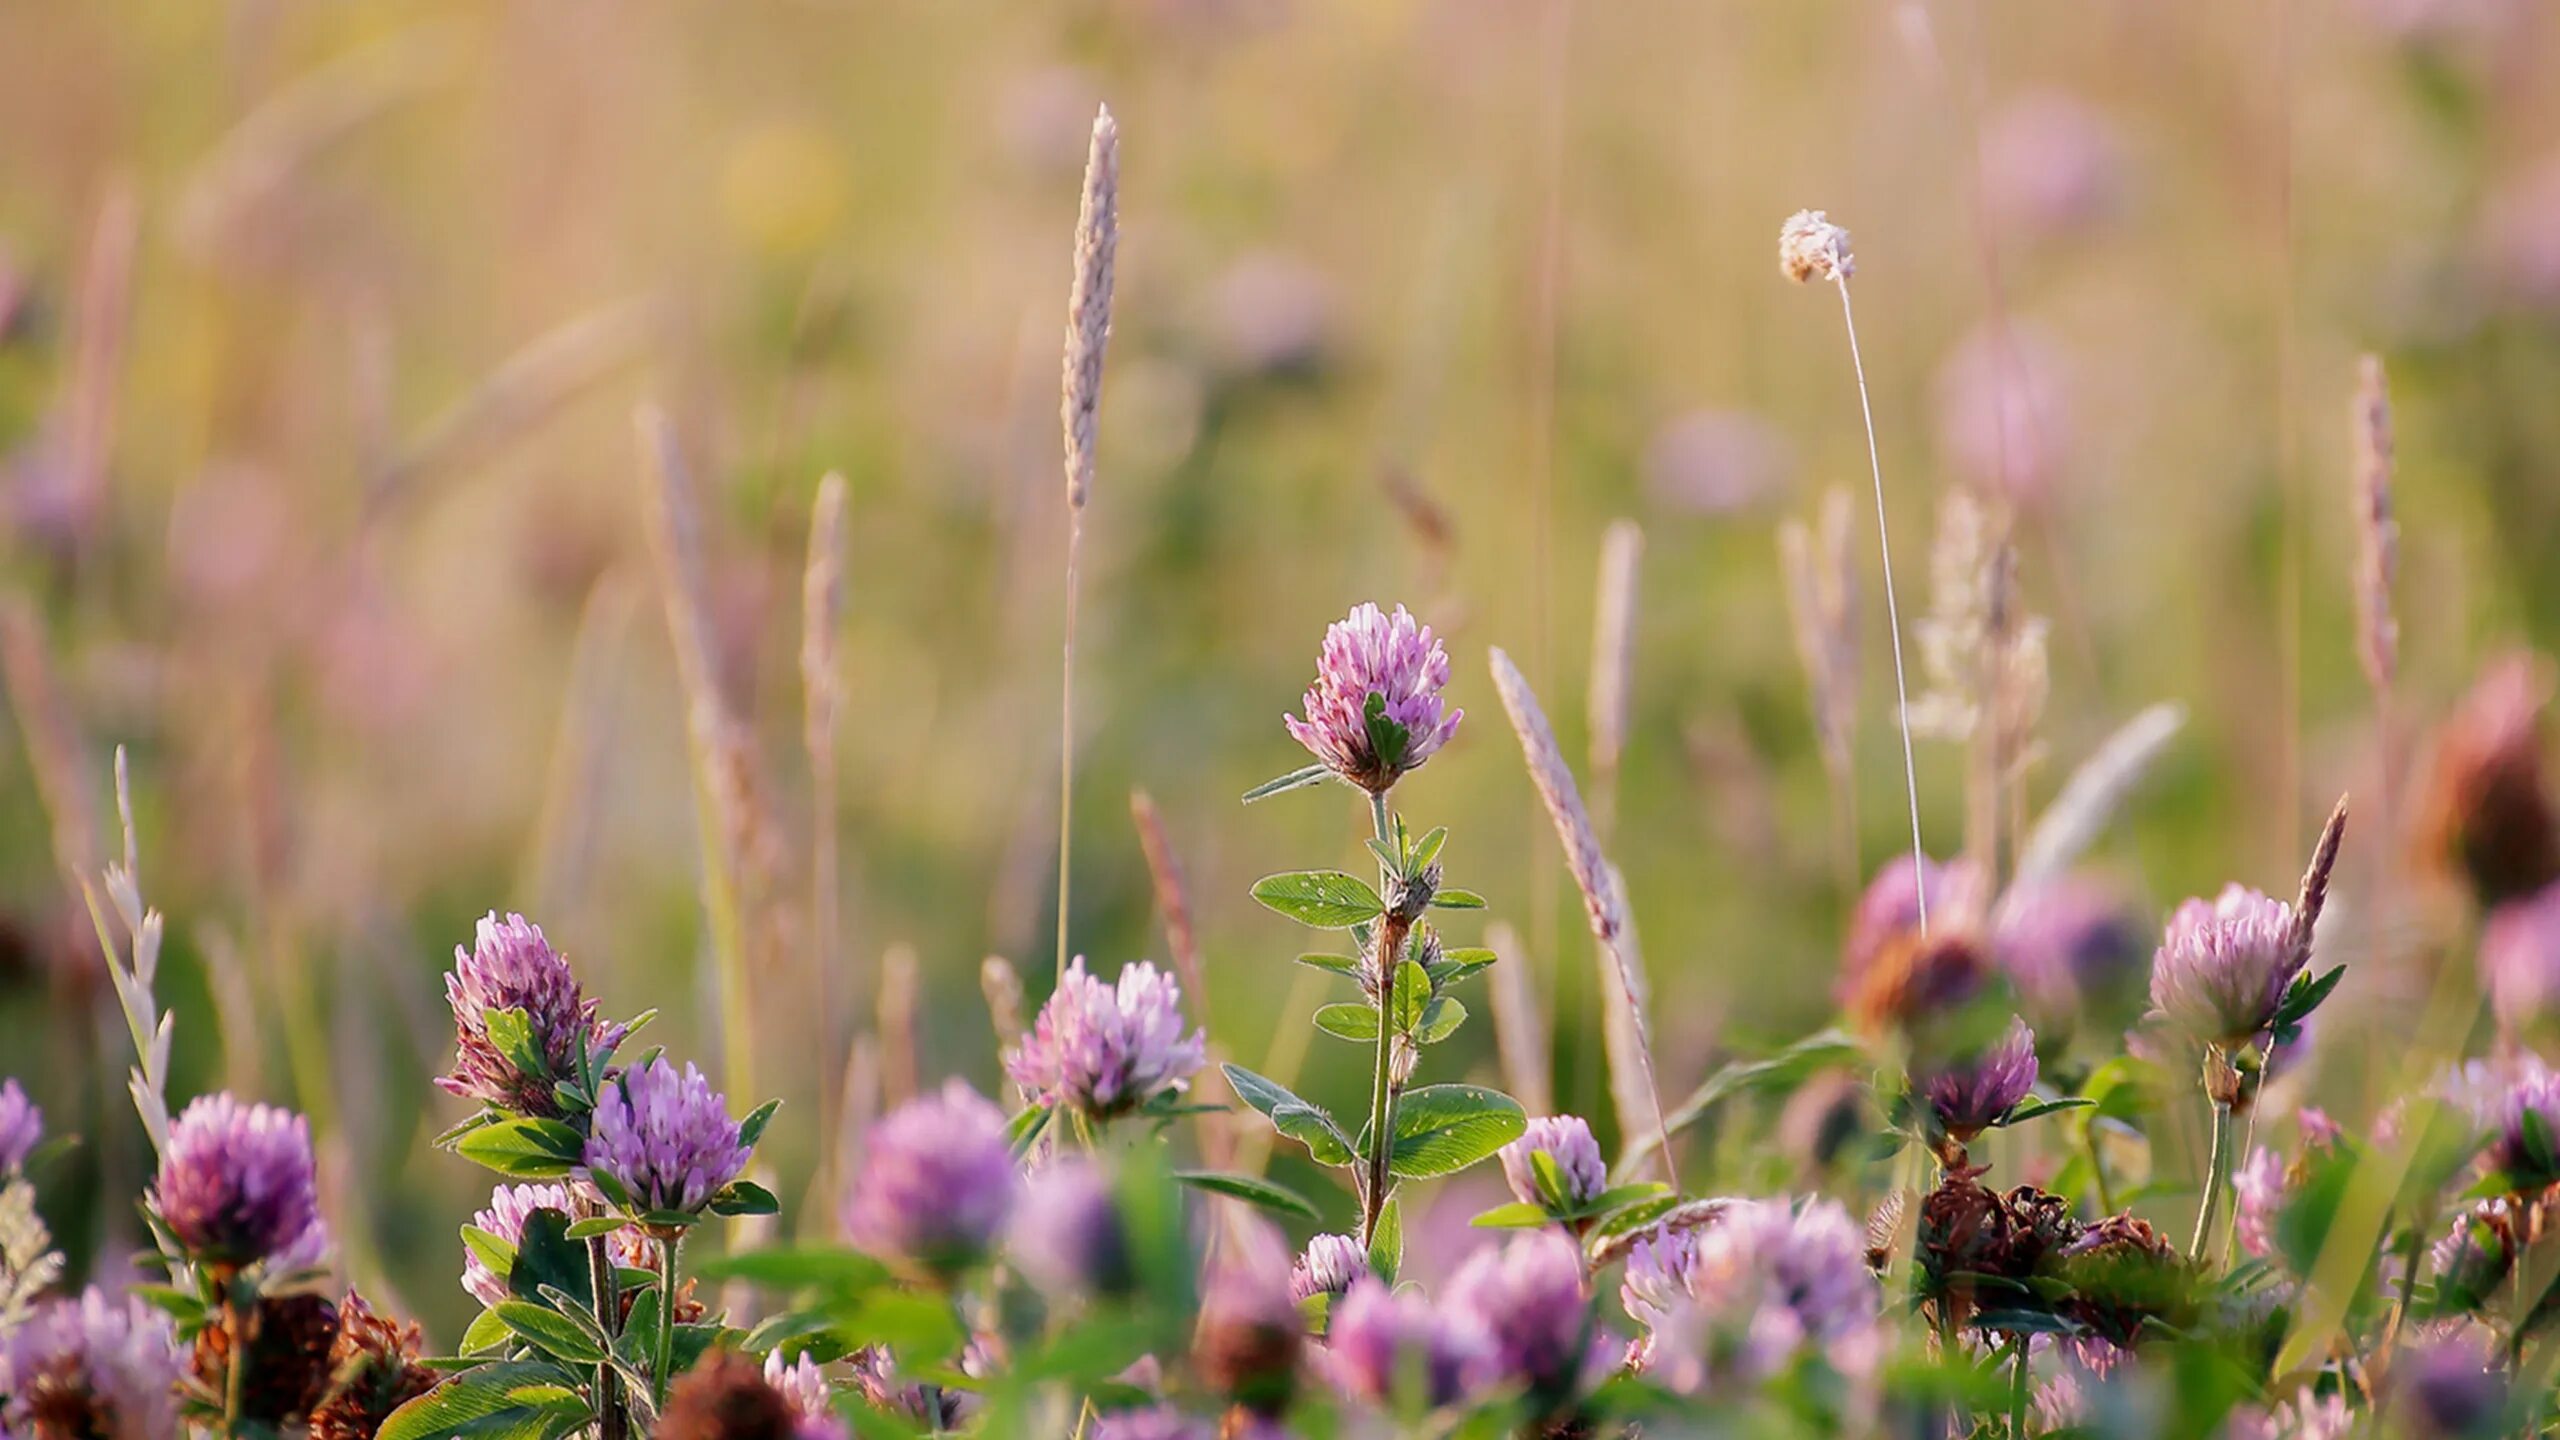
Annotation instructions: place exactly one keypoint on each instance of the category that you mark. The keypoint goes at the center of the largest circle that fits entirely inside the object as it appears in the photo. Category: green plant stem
(1373, 1200)
(2217, 1178)
(612, 1419)
(667, 1250)
(2097, 1167)
(2018, 1390)
(235, 1388)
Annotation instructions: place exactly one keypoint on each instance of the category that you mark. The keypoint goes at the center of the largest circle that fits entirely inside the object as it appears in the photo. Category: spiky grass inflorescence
(717, 743)
(1613, 654)
(1079, 409)
(1822, 610)
(1811, 248)
(1603, 897)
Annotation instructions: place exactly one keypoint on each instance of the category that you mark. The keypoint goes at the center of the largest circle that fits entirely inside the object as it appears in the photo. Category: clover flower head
(511, 967)
(1565, 1140)
(237, 1185)
(1972, 1095)
(508, 1209)
(1375, 1337)
(1530, 1297)
(937, 1184)
(665, 1137)
(1763, 1285)
(21, 1126)
(1329, 1265)
(1394, 665)
(91, 1367)
(1067, 1236)
(1103, 1050)
(2222, 969)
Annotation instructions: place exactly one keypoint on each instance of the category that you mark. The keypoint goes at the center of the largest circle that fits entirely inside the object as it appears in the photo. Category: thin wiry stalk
(1519, 1025)
(1892, 611)
(1613, 644)
(714, 744)
(822, 588)
(1079, 405)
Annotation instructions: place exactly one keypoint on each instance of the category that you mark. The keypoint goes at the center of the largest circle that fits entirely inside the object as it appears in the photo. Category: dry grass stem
(1613, 646)
(822, 699)
(1519, 1022)
(1079, 409)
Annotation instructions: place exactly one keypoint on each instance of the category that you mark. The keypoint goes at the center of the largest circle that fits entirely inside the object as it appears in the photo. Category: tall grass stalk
(822, 698)
(1079, 405)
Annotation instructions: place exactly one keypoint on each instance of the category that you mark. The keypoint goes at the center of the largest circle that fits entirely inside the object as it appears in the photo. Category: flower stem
(2217, 1178)
(1373, 1198)
(2018, 1391)
(236, 1383)
(612, 1420)
(667, 1249)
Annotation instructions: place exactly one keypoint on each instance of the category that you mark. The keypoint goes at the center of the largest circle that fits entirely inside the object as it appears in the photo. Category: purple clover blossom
(2525, 1145)
(237, 1184)
(940, 1407)
(1530, 1297)
(1377, 1340)
(1970, 1097)
(1890, 908)
(2258, 1187)
(509, 1207)
(2520, 959)
(1067, 1236)
(91, 1367)
(1565, 1140)
(21, 1127)
(2452, 1388)
(1763, 1285)
(804, 1387)
(2473, 1257)
(511, 967)
(1329, 1266)
(1657, 1275)
(1103, 1050)
(2065, 944)
(665, 1138)
(1395, 660)
(2222, 969)
(937, 1184)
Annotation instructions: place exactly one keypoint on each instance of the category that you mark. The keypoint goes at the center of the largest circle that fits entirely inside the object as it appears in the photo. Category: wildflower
(2525, 1145)
(2222, 969)
(375, 1370)
(509, 1207)
(938, 1184)
(812, 1400)
(664, 1139)
(511, 967)
(1329, 1266)
(1374, 713)
(1811, 248)
(1530, 1297)
(1918, 980)
(1068, 1237)
(1249, 1337)
(91, 1369)
(1376, 1338)
(2473, 1257)
(1765, 1285)
(1566, 1142)
(21, 1127)
(2258, 1188)
(2070, 950)
(236, 1185)
(938, 1407)
(1969, 1097)
(2486, 810)
(1888, 913)
(2121, 1272)
(2520, 959)
(1103, 1050)
(288, 1366)
(2451, 1390)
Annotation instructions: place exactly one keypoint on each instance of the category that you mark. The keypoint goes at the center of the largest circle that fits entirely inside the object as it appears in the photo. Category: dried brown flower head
(290, 1340)
(374, 1371)
(1916, 978)
(725, 1397)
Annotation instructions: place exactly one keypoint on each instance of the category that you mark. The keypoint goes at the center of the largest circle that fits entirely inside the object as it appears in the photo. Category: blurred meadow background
(323, 325)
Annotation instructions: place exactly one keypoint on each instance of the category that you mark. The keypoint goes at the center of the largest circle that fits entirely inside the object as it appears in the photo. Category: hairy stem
(1391, 933)
(2217, 1178)
(667, 1250)
(1892, 613)
(612, 1420)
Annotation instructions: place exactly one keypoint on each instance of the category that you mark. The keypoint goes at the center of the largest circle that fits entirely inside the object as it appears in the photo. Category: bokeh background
(322, 325)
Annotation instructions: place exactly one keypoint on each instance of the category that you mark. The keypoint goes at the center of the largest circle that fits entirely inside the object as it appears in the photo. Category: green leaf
(184, 1306)
(1413, 993)
(1386, 1243)
(745, 1197)
(1457, 963)
(797, 1267)
(1343, 965)
(1386, 737)
(496, 1253)
(545, 1255)
(1518, 1215)
(548, 1331)
(586, 1229)
(2027, 1110)
(475, 1405)
(1252, 1189)
(2305, 996)
(1298, 779)
(1618, 1197)
(1427, 849)
(1026, 1127)
(1291, 1116)
(1442, 1129)
(1348, 1021)
(751, 1129)
(1325, 899)
(487, 1332)
(511, 1033)
(1457, 900)
(523, 1147)
(1552, 1191)
(1440, 1020)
